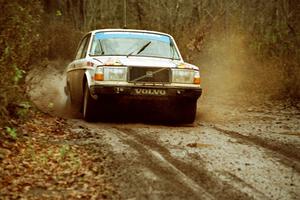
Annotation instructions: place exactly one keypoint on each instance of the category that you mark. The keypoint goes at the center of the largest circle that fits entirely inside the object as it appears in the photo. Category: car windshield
(133, 44)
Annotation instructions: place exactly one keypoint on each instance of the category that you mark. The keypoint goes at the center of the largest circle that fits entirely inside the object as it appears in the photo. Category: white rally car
(113, 66)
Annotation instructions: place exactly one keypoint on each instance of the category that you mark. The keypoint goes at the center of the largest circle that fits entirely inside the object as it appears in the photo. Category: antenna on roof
(125, 13)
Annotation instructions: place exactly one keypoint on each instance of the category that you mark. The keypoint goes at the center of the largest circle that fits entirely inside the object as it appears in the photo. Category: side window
(84, 51)
(81, 47)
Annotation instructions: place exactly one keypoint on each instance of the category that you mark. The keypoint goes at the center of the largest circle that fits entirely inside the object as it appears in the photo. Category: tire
(69, 105)
(70, 110)
(185, 111)
(89, 105)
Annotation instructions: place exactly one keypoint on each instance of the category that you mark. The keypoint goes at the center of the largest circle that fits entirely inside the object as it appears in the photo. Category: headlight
(183, 76)
(197, 79)
(98, 76)
(115, 73)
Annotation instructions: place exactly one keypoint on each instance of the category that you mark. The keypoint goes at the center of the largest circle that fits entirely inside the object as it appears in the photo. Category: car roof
(128, 30)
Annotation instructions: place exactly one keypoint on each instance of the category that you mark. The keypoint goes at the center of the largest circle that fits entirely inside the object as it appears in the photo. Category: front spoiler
(146, 92)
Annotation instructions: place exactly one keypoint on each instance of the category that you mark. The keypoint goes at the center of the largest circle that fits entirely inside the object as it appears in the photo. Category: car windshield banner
(133, 35)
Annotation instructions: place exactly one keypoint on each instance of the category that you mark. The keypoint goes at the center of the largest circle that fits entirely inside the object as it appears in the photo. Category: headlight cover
(115, 73)
(183, 76)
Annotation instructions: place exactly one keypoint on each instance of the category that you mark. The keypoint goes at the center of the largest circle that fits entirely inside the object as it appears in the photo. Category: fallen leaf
(198, 145)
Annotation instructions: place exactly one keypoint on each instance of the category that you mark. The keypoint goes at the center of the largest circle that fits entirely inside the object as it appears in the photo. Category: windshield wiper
(140, 50)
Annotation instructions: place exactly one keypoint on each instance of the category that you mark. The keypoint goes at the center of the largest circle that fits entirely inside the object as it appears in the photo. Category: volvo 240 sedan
(136, 66)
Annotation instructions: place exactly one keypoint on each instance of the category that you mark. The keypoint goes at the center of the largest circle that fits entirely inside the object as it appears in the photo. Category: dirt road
(232, 151)
(207, 160)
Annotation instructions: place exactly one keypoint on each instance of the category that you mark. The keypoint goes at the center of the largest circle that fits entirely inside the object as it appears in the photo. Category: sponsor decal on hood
(185, 66)
(113, 61)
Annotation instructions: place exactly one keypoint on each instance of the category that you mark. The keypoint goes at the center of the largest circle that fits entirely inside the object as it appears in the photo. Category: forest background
(249, 48)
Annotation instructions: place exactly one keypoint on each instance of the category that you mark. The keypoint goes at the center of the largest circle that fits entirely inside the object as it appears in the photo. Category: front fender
(89, 73)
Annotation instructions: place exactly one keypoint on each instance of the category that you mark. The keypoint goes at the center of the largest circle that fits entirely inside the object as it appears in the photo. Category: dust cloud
(233, 78)
(229, 68)
(46, 88)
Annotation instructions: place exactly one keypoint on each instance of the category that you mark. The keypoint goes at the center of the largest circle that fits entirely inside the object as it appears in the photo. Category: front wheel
(89, 105)
(185, 111)
(71, 111)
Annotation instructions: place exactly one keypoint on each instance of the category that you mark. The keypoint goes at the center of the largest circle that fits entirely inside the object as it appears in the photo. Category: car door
(76, 70)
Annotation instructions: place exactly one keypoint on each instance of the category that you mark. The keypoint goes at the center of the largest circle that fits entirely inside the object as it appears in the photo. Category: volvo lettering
(150, 92)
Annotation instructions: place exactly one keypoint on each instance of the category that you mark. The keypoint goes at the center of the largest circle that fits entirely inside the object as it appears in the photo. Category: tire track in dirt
(202, 182)
(286, 156)
(156, 162)
(240, 183)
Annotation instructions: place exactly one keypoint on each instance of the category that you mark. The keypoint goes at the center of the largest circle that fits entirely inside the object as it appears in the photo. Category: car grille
(149, 74)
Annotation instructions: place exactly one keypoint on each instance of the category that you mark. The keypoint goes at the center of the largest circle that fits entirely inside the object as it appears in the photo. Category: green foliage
(18, 75)
(12, 132)
(23, 109)
(58, 13)
(64, 150)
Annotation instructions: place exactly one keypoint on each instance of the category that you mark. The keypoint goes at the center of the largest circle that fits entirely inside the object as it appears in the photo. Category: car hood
(142, 62)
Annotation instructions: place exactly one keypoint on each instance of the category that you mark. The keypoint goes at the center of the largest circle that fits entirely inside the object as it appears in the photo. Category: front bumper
(146, 92)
